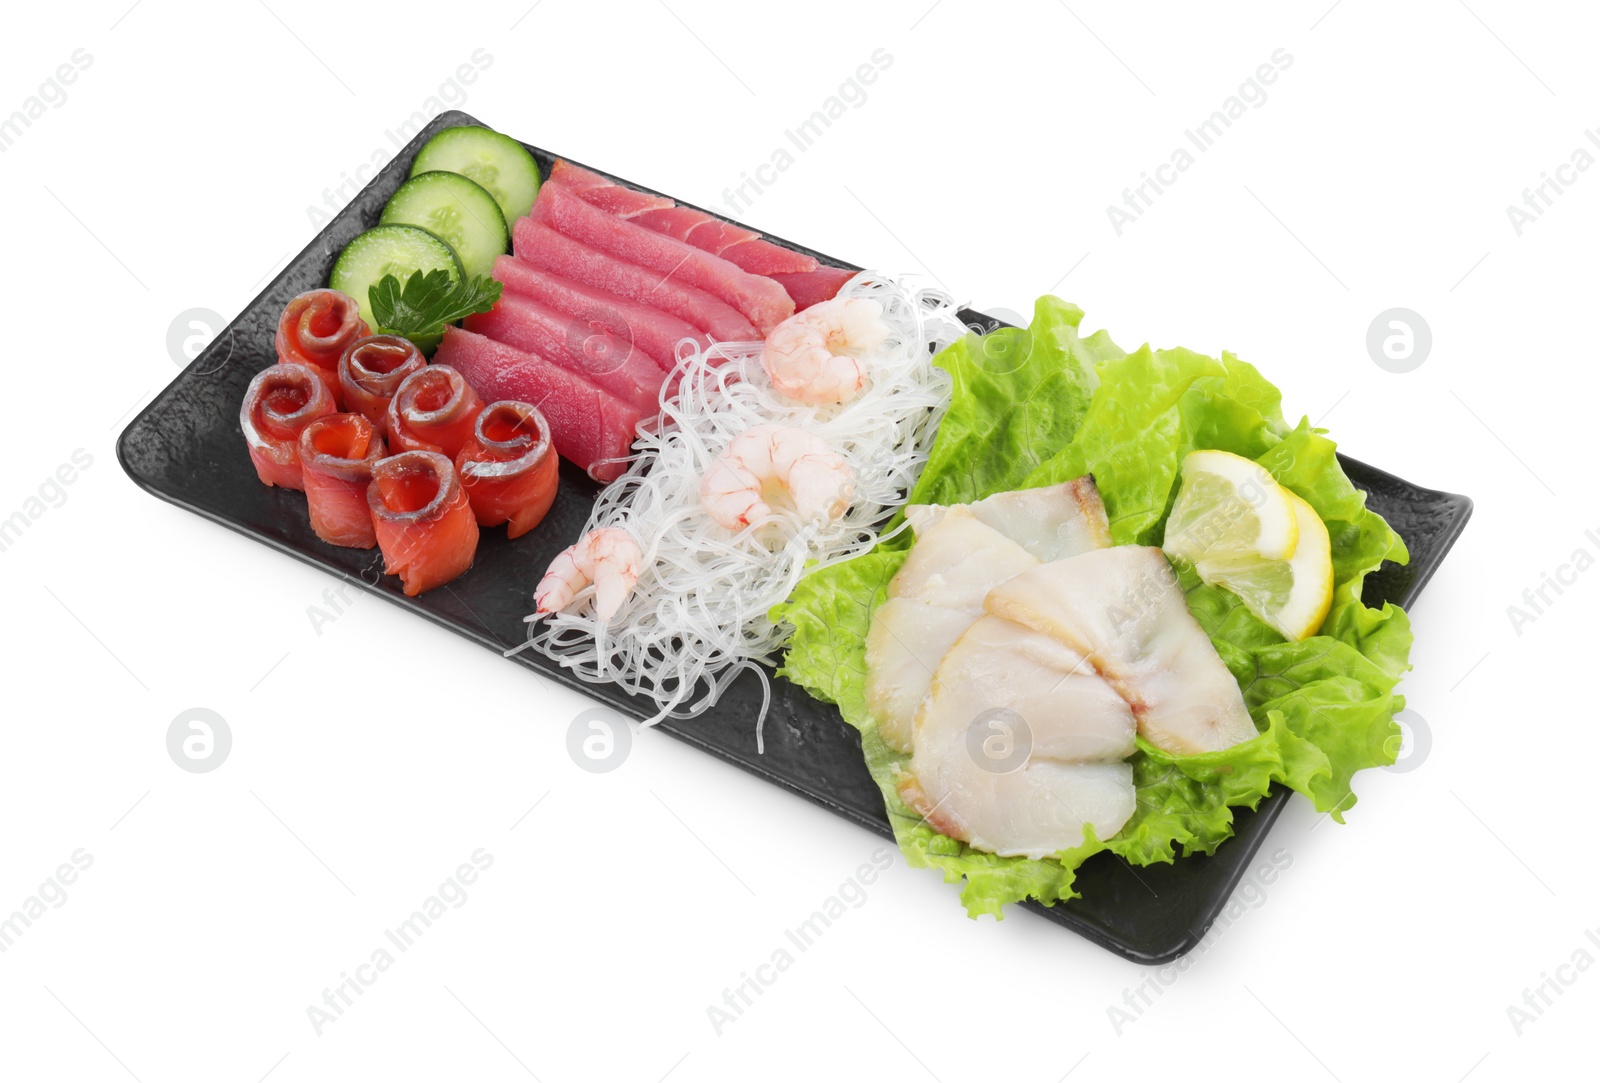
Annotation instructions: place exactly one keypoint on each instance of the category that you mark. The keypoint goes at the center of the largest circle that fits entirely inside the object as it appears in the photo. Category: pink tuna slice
(580, 179)
(676, 222)
(761, 299)
(610, 363)
(715, 235)
(653, 331)
(742, 247)
(765, 258)
(588, 426)
(550, 251)
(603, 192)
(738, 245)
(813, 287)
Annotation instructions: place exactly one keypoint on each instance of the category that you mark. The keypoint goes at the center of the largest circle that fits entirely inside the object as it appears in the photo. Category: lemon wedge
(1290, 595)
(1228, 508)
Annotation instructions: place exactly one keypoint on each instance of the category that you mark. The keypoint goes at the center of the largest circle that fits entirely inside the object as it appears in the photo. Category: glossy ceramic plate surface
(186, 447)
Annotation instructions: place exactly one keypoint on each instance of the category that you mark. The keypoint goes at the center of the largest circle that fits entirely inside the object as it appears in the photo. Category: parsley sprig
(421, 308)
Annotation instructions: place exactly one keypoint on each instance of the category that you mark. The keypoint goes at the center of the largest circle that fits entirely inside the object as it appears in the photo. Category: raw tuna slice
(813, 287)
(603, 192)
(676, 222)
(653, 331)
(545, 248)
(743, 247)
(610, 363)
(765, 258)
(580, 179)
(718, 236)
(587, 426)
(761, 299)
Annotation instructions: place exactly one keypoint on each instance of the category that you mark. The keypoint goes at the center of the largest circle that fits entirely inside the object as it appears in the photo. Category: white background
(178, 174)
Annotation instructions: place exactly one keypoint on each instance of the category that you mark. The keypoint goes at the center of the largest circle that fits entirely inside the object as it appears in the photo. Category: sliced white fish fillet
(1035, 812)
(923, 517)
(1053, 522)
(907, 639)
(1123, 610)
(1019, 745)
(935, 596)
(962, 551)
(957, 560)
(1070, 712)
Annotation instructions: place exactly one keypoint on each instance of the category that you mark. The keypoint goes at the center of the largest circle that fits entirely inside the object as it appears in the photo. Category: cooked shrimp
(783, 464)
(816, 356)
(609, 558)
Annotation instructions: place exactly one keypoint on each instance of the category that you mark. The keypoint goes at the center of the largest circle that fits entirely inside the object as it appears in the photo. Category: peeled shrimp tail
(776, 459)
(607, 558)
(816, 356)
(561, 582)
(610, 591)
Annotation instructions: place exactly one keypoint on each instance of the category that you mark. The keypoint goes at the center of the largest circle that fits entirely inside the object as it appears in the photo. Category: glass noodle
(699, 613)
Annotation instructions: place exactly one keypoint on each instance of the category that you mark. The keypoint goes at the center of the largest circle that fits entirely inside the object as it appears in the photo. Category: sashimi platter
(1068, 621)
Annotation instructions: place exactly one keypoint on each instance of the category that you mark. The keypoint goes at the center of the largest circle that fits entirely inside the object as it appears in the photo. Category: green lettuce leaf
(1043, 405)
(1154, 408)
(1018, 394)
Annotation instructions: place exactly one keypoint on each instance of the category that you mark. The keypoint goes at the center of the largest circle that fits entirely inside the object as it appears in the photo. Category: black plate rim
(1243, 849)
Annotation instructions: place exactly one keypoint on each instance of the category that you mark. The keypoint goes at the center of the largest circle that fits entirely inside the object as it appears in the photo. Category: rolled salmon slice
(549, 250)
(337, 454)
(281, 401)
(655, 332)
(316, 328)
(761, 300)
(509, 467)
(424, 525)
(432, 410)
(372, 370)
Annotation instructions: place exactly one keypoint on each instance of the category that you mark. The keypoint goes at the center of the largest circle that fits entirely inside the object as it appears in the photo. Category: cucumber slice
(457, 211)
(389, 250)
(497, 162)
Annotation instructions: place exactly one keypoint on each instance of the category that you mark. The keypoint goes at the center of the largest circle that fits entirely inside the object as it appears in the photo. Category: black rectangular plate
(185, 447)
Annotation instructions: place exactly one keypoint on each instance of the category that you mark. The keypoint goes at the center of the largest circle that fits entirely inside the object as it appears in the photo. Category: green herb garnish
(427, 302)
